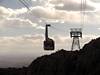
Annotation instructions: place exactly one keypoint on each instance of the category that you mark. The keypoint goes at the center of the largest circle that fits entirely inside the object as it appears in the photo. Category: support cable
(83, 12)
(24, 3)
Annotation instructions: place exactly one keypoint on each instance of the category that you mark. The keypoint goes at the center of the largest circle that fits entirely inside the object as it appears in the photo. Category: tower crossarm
(75, 33)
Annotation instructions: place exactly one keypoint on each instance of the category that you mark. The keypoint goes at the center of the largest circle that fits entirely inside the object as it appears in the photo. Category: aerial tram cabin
(48, 42)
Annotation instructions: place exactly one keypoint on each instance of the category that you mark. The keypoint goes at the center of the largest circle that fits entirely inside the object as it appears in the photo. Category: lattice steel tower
(75, 33)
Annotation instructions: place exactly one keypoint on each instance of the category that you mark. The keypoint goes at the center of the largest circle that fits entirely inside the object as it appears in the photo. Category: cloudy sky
(22, 30)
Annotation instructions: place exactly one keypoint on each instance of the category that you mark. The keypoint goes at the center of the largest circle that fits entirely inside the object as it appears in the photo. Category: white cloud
(10, 18)
(45, 14)
(4, 12)
(12, 44)
(34, 42)
(72, 5)
(8, 12)
(17, 23)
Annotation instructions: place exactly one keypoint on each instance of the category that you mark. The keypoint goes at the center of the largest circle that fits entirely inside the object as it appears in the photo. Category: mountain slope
(83, 62)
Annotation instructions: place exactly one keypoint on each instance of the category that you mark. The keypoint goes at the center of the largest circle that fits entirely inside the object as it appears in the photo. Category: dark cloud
(70, 5)
(73, 7)
(96, 1)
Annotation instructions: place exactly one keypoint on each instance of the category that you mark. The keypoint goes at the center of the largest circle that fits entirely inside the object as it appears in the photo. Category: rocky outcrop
(83, 62)
(60, 63)
(88, 62)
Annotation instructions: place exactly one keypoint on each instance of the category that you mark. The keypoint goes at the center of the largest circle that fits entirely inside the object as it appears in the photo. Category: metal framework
(75, 33)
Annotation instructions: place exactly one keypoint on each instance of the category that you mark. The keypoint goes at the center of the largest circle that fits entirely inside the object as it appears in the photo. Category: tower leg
(75, 43)
(78, 44)
(72, 45)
